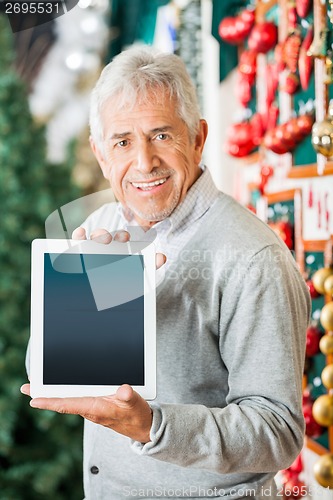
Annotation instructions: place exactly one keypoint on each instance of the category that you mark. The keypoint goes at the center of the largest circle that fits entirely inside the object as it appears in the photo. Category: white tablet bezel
(51, 246)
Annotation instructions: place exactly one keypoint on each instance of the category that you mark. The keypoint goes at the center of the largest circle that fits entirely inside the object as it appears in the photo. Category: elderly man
(231, 312)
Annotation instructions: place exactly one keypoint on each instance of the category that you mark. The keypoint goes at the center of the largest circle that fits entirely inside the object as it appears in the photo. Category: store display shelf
(309, 171)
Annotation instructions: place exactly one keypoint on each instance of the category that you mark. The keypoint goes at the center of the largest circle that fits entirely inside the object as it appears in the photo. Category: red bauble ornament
(305, 123)
(313, 336)
(313, 292)
(263, 37)
(312, 428)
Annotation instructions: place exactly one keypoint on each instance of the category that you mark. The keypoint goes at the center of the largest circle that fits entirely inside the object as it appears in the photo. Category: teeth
(145, 185)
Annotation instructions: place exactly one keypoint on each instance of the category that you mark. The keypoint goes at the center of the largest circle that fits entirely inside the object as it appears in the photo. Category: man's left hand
(126, 412)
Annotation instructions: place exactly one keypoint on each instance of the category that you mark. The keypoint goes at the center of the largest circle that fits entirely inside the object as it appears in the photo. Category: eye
(122, 144)
(162, 137)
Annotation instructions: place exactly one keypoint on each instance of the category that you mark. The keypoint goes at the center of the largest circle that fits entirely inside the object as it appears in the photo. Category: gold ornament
(322, 134)
(319, 278)
(326, 317)
(328, 285)
(322, 410)
(326, 344)
(323, 470)
(327, 376)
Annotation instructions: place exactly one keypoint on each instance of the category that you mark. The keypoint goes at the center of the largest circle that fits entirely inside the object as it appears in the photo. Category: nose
(146, 158)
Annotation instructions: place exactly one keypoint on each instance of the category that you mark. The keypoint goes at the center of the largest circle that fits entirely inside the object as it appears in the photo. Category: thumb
(126, 397)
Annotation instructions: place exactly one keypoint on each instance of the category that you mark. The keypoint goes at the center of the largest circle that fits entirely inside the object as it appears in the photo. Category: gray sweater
(231, 318)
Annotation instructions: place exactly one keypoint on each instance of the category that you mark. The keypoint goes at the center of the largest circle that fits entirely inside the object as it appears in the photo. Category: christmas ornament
(305, 62)
(323, 470)
(303, 7)
(327, 376)
(263, 37)
(312, 428)
(305, 123)
(291, 49)
(326, 317)
(319, 278)
(313, 336)
(326, 344)
(313, 292)
(284, 230)
(248, 64)
(323, 410)
(234, 30)
(328, 285)
(322, 134)
(291, 83)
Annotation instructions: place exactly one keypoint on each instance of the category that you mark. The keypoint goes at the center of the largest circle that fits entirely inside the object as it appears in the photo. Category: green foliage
(40, 452)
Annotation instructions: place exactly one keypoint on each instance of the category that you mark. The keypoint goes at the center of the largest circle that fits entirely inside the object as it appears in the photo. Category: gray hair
(137, 74)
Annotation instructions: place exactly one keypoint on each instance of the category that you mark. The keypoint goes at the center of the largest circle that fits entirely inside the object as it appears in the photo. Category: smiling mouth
(147, 186)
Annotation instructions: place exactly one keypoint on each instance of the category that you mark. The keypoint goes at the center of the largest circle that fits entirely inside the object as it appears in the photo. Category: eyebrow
(121, 135)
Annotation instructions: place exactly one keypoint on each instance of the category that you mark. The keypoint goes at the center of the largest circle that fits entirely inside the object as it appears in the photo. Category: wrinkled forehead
(128, 99)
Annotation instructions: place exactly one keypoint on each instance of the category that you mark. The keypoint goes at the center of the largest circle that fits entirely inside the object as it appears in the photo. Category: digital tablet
(93, 318)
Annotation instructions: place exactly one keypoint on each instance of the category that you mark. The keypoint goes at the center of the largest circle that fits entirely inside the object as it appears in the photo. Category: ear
(200, 140)
(99, 157)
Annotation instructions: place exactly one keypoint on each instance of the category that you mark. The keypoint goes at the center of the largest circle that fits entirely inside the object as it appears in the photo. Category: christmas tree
(40, 452)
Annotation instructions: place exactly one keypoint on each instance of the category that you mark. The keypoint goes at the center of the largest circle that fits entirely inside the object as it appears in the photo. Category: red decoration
(291, 84)
(313, 336)
(284, 230)
(291, 48)
(243, 90)
(303, 7)
(312, 428)
(305, 62)
(263, 37)
(234, 30)
(266, 172)
(313, 292)
(248, 64)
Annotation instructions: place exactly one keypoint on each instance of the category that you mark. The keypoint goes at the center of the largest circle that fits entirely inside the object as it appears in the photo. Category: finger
(160, 259)
(101, 236)
(74, 406)
(25, 389)
(79, 234)
(122, 236)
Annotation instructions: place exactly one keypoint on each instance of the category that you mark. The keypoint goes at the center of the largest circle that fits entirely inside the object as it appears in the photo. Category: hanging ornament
(328, 285)
(313, 292)
(326, 344)
(248, 64)
(291, 50)
(323, 470)
(235, 29)
(318, 46)
(263, 37)
(327, 376)
(326, 317)
(313, 335)
(322, 134)
(291, 83)
(303, 7)
(305, 62)
(323, 410)
(319, 278)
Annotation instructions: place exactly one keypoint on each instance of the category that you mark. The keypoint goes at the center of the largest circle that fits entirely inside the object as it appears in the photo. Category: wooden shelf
(309, 171)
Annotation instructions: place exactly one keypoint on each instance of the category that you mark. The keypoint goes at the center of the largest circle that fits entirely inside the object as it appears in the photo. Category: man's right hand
(103, 236)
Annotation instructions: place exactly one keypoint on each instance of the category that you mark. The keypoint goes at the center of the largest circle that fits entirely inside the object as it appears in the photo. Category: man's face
(148, 156)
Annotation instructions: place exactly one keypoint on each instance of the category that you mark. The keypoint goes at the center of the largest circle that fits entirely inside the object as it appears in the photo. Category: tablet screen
(93, 327)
